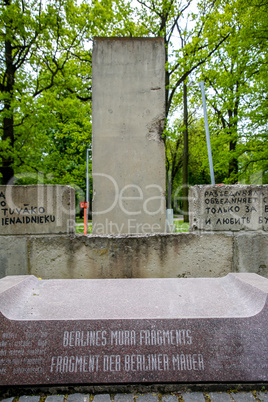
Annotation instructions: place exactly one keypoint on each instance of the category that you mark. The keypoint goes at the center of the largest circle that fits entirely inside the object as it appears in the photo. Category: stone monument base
(132, 331)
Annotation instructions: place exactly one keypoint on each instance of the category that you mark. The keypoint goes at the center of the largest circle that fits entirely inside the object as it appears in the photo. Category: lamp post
(207, 133)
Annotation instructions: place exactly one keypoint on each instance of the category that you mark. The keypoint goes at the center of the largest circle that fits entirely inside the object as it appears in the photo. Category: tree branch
(187, 73)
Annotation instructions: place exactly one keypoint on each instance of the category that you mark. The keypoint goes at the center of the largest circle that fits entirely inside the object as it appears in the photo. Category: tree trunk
(233, 164)
(166, 80)
(185, 184)
(169, 185)
(7, 160)
(8, 122)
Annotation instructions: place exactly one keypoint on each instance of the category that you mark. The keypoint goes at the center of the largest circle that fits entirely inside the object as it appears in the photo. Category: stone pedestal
(128, 331)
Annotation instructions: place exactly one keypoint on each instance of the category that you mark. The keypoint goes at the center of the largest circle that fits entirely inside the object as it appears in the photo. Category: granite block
(78, 398)
(124, 398)
(243, 397)
(29, 398)
(102, 398)
(262, 396)
(131, 331)
(55, 398)
(147, 398)
(219, 397)
(193, 397)
(169, 398)
(7, 400)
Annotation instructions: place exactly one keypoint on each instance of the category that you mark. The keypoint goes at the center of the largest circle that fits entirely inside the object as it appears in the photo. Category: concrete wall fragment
(228, 208)
(128, 93)
(38, 209)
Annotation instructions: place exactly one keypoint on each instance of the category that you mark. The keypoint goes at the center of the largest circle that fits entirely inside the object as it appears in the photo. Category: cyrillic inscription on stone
(232, 207)
(37, 209)
(223, 342)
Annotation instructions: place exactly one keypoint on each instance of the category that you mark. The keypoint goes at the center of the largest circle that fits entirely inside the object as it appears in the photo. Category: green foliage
(45, 84)
(235, 78)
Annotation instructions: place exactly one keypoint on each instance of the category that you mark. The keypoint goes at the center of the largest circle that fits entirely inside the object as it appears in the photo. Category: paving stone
(26, 398)
(124, 398)
(262, 396)
(55, 398)
(243, 397)
(7, 400)
(102, 398)
(219, 397)
(169, 398)
(78, 398)
(147, 398)
(193, 397)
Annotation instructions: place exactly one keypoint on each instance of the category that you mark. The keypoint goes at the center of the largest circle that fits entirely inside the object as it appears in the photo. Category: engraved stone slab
(37, 209)
(232, 207)
(138, 330)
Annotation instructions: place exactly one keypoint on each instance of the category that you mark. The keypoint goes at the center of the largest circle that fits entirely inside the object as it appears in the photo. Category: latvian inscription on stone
(36, 209)
(85, 332)
(232, 207)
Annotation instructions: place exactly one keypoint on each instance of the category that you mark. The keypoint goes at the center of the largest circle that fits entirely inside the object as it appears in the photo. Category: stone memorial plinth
(40, 209)
(128, 331)
(228, 207)
(128, 151)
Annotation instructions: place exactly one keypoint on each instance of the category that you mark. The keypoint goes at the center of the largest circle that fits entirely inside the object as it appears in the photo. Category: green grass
(80, 228)
(179, 226)
(78, 220)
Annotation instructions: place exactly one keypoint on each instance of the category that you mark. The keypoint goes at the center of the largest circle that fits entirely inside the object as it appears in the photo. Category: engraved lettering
(151, 362)
(74, 364)
(188, 362)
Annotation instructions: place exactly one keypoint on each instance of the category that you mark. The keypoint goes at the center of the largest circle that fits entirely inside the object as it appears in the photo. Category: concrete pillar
(128, 80)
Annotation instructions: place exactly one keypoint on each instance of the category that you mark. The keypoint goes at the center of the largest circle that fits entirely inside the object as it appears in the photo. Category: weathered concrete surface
(228, 208)
(42, 209)
(13, 255)
(152, 256)
(251, 250)
(51, 257)
(128, 86)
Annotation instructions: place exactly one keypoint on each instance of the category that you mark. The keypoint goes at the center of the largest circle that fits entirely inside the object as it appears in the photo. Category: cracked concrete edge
(170, 256)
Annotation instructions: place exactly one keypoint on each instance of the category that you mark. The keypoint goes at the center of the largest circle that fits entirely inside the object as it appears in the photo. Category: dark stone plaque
(138, 330)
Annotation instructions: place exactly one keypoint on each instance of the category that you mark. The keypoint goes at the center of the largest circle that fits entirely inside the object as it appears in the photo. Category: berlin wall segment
(128, 114)
(100, 340)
